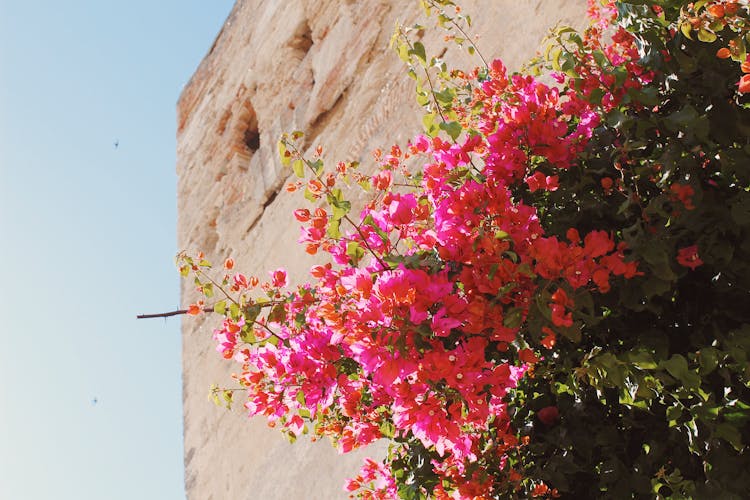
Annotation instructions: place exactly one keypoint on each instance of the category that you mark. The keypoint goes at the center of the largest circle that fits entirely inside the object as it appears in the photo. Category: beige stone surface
(322, 66)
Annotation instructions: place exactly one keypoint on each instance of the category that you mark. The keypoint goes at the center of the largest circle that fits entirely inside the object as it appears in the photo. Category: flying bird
(117, 143)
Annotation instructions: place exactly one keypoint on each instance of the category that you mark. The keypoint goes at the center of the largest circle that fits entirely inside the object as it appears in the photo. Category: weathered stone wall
(322, 66)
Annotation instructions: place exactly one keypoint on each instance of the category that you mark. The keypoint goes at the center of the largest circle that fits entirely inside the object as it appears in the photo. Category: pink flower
(279, 279)
(382, 180)
(540, 181)
(240, 281)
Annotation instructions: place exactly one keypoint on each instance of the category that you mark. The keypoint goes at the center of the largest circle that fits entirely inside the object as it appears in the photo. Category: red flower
(302, 214)
(549, 339)
(744, 85)
(716, 10)
(540, 181)
(573, 235)
(683, 193)
(528, 356)
(548, 415)
(723, 53)
(598, 243)
(688, 257)
(560, 300)
(240, 282)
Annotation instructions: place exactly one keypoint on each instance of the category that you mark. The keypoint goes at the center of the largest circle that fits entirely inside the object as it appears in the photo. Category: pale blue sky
(87, 240)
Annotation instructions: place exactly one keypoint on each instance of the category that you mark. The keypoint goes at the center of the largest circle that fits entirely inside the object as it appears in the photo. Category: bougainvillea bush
(546, 293)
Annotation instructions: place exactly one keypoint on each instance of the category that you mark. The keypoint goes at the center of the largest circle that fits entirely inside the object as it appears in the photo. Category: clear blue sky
(87, 240)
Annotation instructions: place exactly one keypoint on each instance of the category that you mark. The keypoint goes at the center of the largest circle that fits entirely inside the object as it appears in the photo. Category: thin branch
(170, 313)
(452, 20)
(214, 283)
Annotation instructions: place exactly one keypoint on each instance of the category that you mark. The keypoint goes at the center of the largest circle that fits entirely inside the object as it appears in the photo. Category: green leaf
(513, 318)
(729, 433)
(445, 96)
(691, 380)
(643, 360)
(737, 416)
(617, 119)
(654, 286)
(555, 58)
(430, 127)
(403, 52)
(277, 314)
(686, 29)
(298, 166)
(596, 96)
(333, 230)
(741, 54)
(284, 154)
(706, 36)
(220, 307)
(251, 313)
(355, 252)
(340, 209)
(300, 397)
(369, 221)
(234, 311)
(674, 413)
(418, 50)
(709, 360)
(247, 335)
(682, 119)
(453, 129)
(656, 255)
(676, 366)
(318, 166)
(365, 184)
(310, 196)
(572, 333)
(600, 58)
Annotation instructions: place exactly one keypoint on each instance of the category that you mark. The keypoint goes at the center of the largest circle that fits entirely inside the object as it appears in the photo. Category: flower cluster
(447, 290)
(411, 332)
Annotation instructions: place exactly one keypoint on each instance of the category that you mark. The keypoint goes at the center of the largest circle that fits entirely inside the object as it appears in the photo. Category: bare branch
(170, 313)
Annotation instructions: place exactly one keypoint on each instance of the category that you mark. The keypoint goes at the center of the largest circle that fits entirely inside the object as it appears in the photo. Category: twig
(170, 313)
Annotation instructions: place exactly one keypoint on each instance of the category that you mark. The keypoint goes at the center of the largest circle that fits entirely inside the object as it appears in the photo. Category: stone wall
(324, 67)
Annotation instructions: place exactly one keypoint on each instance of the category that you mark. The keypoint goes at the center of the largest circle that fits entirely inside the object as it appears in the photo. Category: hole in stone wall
(245, 131)
(252, 139)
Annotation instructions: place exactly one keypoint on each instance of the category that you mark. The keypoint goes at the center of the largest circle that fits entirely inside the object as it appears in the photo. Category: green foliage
(654, 397)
